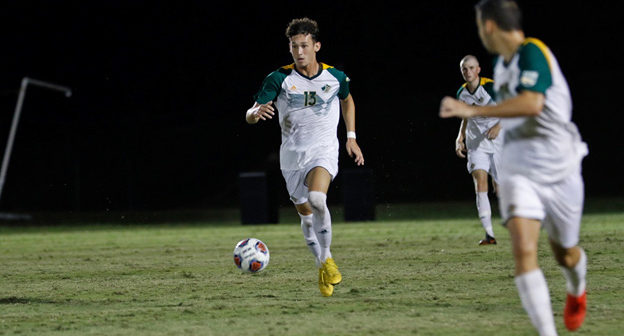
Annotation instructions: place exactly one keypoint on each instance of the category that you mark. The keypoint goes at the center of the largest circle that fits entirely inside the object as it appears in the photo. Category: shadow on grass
(17, 300)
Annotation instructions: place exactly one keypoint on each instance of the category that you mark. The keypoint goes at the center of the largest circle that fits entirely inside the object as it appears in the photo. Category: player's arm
(260, 111)
(460, 145)
(348, 114)
(493, 132)
(526, 104)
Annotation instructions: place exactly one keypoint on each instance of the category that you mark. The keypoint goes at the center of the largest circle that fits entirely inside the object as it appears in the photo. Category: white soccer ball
(251, 255)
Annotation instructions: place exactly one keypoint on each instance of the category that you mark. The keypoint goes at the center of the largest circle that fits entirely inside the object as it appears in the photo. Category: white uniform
(309, 112)
(541, 161)
(483, 153)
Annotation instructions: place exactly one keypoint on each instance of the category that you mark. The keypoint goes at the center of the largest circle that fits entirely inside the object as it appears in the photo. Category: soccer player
(308, 99)
(540, 180)
(479, 139)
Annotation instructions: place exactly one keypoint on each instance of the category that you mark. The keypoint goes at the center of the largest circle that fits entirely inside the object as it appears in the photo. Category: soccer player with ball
(540, 180)
(308, 98)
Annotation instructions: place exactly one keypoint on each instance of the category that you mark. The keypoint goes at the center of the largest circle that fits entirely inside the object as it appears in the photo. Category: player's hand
(493, 132)
(460, 148)
(354, 151)
(261, 112)
(266, 111)
(450, 107)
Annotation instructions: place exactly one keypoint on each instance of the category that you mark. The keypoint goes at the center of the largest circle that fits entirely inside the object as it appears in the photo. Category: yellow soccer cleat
(333, 275)
(325, 287)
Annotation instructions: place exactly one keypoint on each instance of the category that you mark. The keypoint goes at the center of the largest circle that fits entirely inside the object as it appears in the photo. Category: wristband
(350, 134)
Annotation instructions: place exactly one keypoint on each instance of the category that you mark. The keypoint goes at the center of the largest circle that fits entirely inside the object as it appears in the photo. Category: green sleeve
(271, 87)
(489, 88)
(461, 88)
(342, 78)
(535, 72)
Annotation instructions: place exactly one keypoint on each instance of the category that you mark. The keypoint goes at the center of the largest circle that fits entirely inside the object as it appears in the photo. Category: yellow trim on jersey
(484, 81)
(292, 66)
(543, 47)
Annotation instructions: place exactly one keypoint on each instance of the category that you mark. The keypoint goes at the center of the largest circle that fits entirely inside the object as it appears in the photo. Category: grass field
(419, 276)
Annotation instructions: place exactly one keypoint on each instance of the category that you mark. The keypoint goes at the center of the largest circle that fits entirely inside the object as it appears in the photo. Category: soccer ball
(251, 255)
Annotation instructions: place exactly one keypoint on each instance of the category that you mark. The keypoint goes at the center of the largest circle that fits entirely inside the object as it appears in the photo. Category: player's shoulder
(532, 43)
(460, 90)
(280, 73)
(534, 50)
(487, 83)
(339, 74)
(283, 70)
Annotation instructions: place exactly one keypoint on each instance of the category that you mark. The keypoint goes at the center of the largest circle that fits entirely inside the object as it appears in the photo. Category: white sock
(535, 299)
(321, 222)
(575, 276)
(485, 212)
(310, 237)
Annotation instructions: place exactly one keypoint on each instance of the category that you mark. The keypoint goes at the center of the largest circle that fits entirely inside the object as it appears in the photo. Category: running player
(479, 139)
(308, 99)
(541, 181)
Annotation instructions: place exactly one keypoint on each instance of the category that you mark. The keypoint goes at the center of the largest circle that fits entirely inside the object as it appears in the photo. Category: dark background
(156, 120)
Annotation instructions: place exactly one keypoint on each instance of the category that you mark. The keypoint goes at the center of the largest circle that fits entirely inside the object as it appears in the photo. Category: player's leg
(307, 228)
(318, 181)
(529, 279)
(573, 262)
(309, 233)
(523, 211)
(563, 226)
(299, 196)
(484, 209)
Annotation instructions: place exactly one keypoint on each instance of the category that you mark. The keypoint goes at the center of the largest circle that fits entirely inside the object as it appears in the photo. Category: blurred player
(479, 139)
(309, 97)
(540, 180)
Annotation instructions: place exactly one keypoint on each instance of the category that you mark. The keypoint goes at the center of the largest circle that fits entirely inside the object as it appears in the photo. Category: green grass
(423, 276)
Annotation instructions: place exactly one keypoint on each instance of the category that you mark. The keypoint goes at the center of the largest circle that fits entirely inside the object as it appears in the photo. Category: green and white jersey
(546, 148)
(309, 112)
(477, 127)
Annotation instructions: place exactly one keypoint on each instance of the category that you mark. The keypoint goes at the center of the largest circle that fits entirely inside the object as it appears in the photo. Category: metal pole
(16, 117)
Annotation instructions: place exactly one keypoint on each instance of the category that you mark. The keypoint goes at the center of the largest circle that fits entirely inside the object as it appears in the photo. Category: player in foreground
(479, 140)
(540, 180)
(309, 96)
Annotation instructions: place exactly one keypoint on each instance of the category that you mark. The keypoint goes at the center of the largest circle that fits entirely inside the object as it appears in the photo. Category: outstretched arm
(526, 104)
(260, 111)
(348, 114)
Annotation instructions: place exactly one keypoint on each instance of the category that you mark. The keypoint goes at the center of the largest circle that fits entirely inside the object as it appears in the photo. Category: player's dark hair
(505, 13)
(303, 26)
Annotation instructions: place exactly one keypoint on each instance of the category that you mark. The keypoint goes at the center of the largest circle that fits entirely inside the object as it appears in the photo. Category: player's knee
(306, 221)
(566, 258)
(317, 201)
(524, 252)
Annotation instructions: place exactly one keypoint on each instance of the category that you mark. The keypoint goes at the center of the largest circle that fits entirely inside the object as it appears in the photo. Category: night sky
(160, 88)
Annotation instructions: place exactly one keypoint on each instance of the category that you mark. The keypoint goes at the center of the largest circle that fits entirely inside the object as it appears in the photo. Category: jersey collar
(321, 68)
(475, 90)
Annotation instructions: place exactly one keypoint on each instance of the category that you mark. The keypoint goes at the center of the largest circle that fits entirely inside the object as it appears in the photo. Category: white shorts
(490, 162)
(559, 206)
(295, 179)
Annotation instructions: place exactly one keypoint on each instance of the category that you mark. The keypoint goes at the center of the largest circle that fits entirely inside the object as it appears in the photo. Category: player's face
(470, 69)
(303, 50)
